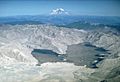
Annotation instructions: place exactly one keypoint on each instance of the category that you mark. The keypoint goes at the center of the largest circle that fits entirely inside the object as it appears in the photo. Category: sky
(74, 7)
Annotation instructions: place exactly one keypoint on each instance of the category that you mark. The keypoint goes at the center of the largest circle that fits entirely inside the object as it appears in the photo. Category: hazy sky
(74, 7)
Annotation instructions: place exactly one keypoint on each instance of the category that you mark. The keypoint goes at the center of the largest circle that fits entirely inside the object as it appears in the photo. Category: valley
(76, 52)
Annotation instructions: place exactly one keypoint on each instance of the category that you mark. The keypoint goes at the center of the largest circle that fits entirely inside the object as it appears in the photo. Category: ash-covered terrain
(59, 53)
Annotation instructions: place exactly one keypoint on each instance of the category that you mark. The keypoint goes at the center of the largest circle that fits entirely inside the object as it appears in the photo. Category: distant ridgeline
(79, 22)
(90, 26)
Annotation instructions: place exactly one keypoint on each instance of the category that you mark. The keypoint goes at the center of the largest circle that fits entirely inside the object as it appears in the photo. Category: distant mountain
(23, 22)
(83, 25)
(59, 11)
(60, 19)
(90, 26)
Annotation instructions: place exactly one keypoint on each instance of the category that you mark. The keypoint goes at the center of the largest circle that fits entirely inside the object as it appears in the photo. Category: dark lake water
(85, 54)
(79, 54)
(44, 55)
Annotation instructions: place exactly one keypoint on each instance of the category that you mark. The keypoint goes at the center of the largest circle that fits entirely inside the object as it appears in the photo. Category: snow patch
(59, 11)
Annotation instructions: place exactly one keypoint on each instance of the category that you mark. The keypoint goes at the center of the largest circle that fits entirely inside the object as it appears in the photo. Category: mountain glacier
(59, 11)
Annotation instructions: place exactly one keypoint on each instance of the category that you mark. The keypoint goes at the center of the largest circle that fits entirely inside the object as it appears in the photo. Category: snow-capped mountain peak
(59, 11)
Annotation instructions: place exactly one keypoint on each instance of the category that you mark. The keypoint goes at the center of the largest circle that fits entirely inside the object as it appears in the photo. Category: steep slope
(18, 41)
(107, 38)
(22, 39)
(109, 69)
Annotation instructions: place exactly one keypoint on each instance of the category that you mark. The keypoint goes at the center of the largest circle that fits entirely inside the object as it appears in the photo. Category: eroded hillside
(18, 41)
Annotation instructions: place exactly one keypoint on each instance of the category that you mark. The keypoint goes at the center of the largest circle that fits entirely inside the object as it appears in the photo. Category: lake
(79, 54)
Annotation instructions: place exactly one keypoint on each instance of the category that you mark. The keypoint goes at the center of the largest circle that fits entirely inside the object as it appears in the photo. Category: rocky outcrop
(17, 42)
